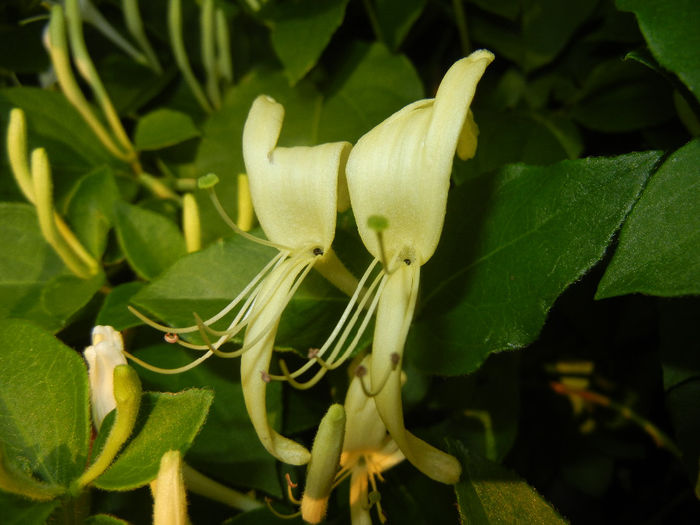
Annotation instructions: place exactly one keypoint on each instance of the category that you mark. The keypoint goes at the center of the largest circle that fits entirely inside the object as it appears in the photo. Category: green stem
(223, 47)
(134, 23)
(200, 484)
(178, 45)
(208, 46)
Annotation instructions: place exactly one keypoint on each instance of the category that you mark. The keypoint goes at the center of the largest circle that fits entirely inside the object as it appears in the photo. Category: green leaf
(21, 511)
(165, 422)
(659, 251)
(21, 50)
(508, 137)
(370, 85)
(301, 30)
(104, 519)
(149, 241)
(44, 421)
(671, 31)
(228, 447)
(489, 493)
(34, 283)
(114, 310)
(396, 17)
(512, 243)
(54, 124)
(620, 97)
(677, 336)
(162, 128)
(91, 209)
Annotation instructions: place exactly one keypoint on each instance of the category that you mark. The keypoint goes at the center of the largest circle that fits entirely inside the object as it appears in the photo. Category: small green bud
(207, 181)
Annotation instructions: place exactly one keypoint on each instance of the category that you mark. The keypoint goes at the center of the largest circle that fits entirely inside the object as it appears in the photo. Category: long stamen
(274, 262)
(361, 372)
(228, 220)
(268, 502)
(168, 371)
(316, 356)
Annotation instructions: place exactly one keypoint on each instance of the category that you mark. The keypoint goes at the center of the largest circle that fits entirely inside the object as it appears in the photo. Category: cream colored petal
(394, 315)
(105, 353)
(256, 361)
(401, 168)
(294, 190)
(364, 430)
(169, 497)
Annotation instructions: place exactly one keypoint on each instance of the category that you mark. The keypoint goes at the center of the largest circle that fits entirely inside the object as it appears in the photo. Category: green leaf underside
(165, 422)
(162, 128)
(301, 30)
(512, 243)
(489, 493)
(659, 251)
(671, 31)
(34, 283)
(150, 242)
(44, 420)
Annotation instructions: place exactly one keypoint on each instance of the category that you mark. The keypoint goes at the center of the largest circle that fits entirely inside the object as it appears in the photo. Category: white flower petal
(105, 353)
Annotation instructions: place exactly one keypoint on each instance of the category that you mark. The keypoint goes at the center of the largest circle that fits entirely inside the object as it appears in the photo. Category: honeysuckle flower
(398, 176)
(103, 356)
(295, 193)
(367, 448)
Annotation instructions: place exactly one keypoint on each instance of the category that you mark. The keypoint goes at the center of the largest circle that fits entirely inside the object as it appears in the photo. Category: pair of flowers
(397, 178)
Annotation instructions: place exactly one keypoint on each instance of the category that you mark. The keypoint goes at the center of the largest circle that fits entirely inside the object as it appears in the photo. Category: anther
(171, 338)
(318, 252)
(395, 360)
(313, 352)
(289, 481)
(291, 485)
(360, 371)
(407, 262)
(264, 376)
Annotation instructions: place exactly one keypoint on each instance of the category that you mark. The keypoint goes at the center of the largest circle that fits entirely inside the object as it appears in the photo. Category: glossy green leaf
(395, 18)
(44, 420)
(234, 457)
(34, 283)
(371, 85)
(671, 31)
(91, 209)
(114, 311)
(659, 251)
(162, 128)
(489, 493)
(149, 241)
(512, 243)
(301, 30)
(165, 422)
(21, 511)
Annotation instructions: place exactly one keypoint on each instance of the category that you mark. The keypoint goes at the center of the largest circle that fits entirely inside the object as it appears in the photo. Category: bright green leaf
(489, 493)
(671, 31)
(301, 30)
(371, 85)
(659, 251)
(34, 283)
(114, 310)
(44, 419)
(150, 242)
(236, 457)
(91, 209)
(162, 128)
(165, 422)
(512, 243)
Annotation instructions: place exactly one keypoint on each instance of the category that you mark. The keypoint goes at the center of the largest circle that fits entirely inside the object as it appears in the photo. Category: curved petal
(294, 190)
(401, 168)
(394, 315)
(256, 361)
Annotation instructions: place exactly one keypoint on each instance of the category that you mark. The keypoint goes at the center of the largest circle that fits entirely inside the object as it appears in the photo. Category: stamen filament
(268, 502)
(168, 371)
(361, 372)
